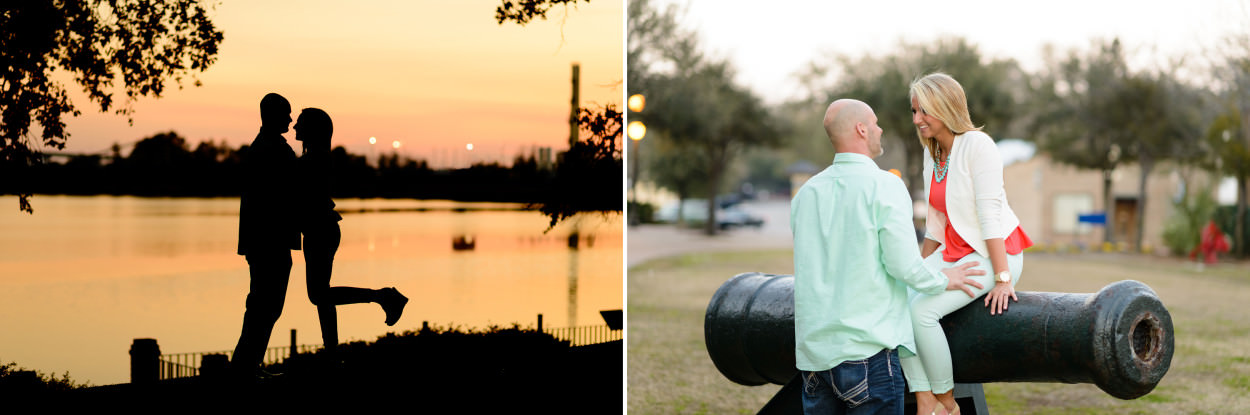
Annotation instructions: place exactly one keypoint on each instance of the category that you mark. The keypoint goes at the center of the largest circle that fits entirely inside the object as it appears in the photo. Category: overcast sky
(768, 42)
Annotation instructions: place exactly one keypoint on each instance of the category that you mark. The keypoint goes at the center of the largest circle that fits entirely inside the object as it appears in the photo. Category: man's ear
(859, 128)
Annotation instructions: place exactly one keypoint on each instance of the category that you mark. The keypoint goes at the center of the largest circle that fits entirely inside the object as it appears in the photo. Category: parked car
(694, 211)
(733, 216)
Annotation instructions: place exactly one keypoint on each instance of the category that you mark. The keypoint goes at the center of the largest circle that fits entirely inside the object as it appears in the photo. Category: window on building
(1066, 211)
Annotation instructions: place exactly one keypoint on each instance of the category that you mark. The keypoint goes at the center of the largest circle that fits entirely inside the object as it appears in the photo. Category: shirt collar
(852, 158)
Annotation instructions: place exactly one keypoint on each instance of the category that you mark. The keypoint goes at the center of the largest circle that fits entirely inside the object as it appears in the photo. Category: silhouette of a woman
(320, 225)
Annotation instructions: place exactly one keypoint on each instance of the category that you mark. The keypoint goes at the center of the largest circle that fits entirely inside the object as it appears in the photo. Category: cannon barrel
(1119, 338)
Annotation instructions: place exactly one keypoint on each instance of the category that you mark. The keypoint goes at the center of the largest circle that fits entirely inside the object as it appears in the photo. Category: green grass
(669, 371)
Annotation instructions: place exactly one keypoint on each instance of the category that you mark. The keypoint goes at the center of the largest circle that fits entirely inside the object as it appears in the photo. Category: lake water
(84, 276)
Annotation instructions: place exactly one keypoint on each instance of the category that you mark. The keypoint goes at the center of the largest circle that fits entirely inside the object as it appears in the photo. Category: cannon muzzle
(1119, 338)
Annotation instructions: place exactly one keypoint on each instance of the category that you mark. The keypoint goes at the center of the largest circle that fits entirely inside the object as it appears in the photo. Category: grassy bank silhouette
(497, 367)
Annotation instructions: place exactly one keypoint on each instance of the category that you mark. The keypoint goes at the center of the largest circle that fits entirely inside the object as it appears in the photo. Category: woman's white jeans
(930, 369)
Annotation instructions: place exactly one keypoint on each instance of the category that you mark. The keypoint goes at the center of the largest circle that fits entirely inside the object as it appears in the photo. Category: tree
(1081, 119)
(583, 178)
(1232, 157)
(672, 167)
(883, 83)
(1097, 114)
(144, 42)
(1164, 118)
(523, 11)
(694, 104)
(710, 121)
(653, 37)
(1230, 135)
(588, 176)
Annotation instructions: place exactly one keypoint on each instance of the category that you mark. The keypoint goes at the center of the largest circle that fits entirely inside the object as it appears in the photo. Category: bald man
(267, 232)
(855, 254)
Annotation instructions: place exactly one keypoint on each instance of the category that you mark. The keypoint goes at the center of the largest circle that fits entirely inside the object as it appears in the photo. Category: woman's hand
(996, 300)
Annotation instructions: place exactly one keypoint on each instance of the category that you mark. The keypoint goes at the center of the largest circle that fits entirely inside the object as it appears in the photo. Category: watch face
(1004, 277)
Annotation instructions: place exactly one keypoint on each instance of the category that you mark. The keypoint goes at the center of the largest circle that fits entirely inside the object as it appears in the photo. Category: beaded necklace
(941, 168)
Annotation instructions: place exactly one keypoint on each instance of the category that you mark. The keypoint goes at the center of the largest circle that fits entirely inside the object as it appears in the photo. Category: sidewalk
(647, 242)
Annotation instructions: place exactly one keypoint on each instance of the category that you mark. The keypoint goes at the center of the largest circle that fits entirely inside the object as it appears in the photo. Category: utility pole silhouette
(573, 112)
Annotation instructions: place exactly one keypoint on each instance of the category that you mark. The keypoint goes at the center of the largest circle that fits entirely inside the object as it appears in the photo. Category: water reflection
(573, 279)
(463, 243)
(84, 276)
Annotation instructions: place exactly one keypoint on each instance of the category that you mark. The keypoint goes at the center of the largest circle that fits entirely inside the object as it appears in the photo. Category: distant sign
(1096, 218)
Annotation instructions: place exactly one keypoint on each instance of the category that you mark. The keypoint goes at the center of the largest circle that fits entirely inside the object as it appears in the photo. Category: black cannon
(1119, 338)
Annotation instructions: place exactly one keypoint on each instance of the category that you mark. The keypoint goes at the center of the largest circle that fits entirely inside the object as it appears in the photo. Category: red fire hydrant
(1212, 243)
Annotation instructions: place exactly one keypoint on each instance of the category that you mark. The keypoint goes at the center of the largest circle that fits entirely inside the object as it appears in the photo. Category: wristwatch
(1004, 276)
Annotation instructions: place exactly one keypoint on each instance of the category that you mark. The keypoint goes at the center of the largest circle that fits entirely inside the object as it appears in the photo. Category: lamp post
(636, 130)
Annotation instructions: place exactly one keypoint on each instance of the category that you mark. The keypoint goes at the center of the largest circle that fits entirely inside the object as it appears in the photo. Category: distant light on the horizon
(373, 140)
(395, 144)
(468, 146)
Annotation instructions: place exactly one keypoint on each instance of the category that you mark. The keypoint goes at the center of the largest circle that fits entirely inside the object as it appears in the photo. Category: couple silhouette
(272, 216)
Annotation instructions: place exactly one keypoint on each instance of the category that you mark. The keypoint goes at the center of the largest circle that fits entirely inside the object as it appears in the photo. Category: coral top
(956, 247)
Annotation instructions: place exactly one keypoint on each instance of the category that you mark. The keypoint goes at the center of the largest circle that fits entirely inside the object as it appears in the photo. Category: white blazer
(976, 202)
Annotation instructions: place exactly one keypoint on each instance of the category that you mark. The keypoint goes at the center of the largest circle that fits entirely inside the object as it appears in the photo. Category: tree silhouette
(588, 176)
(523, 11)
(144, 42)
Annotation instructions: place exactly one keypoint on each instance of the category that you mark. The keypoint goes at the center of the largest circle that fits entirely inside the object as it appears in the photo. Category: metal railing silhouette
(183, 365)
(585, 335)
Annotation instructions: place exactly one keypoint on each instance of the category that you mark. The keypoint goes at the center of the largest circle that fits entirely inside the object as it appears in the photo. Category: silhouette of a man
(267, 232)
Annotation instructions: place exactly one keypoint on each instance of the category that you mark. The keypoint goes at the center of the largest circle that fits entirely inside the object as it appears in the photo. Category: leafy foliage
(16, 382)
(524, 11)
(605, 130)
(1182, 232)
(588, 177)
(143, 42)
(883, 83)
(703, 119)
(1095, 113)
(1232, 157)
(1229, 136)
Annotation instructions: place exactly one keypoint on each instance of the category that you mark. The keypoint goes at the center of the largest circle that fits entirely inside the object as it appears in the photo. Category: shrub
(1183, 229)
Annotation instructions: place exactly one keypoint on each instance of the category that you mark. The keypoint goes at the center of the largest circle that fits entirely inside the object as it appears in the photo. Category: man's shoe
(393, 304)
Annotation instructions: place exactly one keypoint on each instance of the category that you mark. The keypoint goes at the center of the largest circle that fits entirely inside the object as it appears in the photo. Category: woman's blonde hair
(941, 96)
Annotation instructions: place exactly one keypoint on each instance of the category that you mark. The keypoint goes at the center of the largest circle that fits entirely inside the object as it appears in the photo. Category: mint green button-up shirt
(855, 254)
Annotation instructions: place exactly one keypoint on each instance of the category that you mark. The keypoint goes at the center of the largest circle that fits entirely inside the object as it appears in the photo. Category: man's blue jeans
(871, 386)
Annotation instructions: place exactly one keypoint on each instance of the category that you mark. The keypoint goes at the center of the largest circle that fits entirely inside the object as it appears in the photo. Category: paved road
(647, 242)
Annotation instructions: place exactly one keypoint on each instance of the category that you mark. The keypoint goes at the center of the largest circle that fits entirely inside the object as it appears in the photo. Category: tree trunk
(681, 206)
(1147, 164)
(713, 185)
(1108, 207)
(1239, 225)
(1239, 222)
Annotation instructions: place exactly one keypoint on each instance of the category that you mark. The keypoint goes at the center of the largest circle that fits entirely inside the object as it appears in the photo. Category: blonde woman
(319, 223)
(968, 220)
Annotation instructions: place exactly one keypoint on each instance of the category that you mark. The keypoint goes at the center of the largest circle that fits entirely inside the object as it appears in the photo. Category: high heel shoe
(393, 304)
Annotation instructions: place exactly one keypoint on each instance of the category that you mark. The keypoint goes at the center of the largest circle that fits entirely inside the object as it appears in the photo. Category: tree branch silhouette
(588, 176)
(143, 42)
(524, 11)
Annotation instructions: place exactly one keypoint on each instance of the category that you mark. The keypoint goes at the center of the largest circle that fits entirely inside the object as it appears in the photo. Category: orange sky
(434, 75)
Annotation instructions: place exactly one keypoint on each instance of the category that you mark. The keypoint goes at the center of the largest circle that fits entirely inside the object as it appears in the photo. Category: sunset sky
(434, 75)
